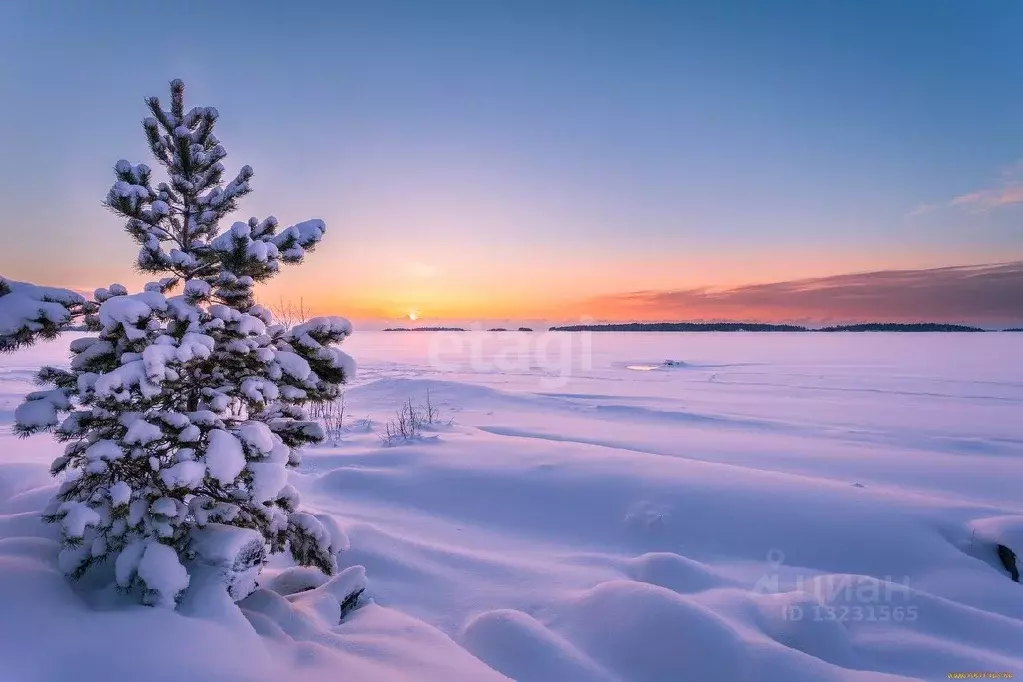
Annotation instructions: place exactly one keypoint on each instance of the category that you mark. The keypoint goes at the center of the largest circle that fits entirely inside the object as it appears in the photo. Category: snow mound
(623, 630)
(1004, 530)
(676, 573)
(293, 579)
(236, 554)
(525, 650)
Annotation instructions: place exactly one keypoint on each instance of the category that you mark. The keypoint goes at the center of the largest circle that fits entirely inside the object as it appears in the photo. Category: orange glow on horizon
(575, 291)
(446, 286)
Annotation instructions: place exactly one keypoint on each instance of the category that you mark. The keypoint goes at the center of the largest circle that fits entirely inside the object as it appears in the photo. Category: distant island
(758, 327)
(424, 329)
(1014, 329)
(502, 329)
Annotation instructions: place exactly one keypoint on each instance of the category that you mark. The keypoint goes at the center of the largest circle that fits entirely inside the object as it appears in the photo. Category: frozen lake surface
(765, 507)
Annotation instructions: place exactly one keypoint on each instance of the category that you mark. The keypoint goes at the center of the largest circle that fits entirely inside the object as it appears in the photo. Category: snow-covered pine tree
(184, 409)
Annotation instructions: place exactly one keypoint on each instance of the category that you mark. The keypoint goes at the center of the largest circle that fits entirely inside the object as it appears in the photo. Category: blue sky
(515, 158)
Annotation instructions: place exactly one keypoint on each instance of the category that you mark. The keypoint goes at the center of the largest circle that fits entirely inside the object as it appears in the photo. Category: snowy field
(771, 507)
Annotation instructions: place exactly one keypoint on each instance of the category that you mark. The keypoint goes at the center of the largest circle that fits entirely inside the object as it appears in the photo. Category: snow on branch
(29, 312)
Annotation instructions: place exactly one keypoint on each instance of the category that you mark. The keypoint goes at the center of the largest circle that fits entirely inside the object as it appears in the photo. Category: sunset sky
(552, 160)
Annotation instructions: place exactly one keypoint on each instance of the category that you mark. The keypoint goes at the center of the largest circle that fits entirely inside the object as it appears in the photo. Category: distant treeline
(757, 327)
(502, 329)
(898, 327)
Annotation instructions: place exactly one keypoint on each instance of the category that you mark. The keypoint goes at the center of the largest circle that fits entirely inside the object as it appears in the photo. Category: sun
(413, 315)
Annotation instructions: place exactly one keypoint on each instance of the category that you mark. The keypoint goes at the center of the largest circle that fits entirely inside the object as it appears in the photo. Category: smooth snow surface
(766, 507)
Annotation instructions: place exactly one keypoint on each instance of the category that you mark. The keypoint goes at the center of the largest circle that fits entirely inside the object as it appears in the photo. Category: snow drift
(782, 508)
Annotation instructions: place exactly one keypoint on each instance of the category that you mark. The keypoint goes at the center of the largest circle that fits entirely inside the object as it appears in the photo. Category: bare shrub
(431, 414)
(410, 420)
(289, 313)
(406, 425)
(331, 415)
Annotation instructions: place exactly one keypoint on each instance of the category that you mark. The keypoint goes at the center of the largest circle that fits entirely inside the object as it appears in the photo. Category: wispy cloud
(1009, 193)
(1008, 190)
(921, 209)
(981, 294)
